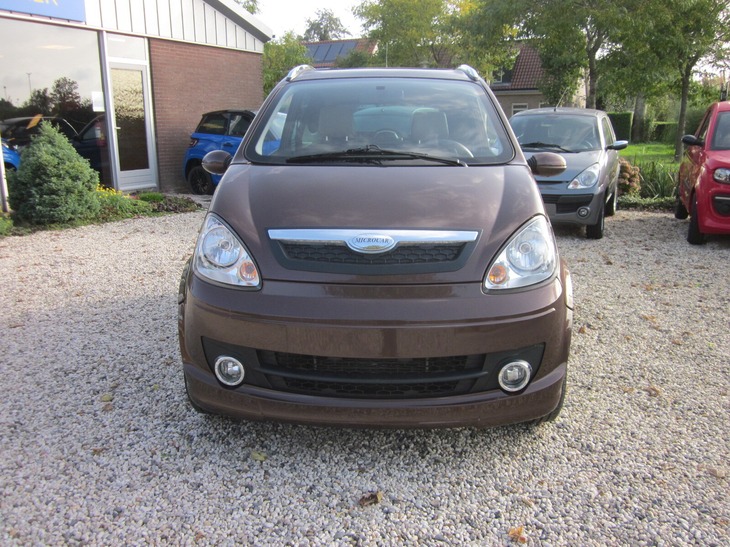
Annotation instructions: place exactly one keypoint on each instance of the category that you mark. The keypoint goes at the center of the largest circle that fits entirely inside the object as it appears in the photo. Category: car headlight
(586, 178)
(221, 257)
(529, 257)
(722, 175)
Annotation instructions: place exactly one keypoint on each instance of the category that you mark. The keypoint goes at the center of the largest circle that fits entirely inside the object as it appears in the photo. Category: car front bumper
(356, 323)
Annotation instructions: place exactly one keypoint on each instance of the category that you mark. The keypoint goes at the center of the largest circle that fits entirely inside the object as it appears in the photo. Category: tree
(280, 56)
(410, 32)
(324, 26)
(570, 36)
(40, 102)
(251, 6)
(688, 33)
(65, 95)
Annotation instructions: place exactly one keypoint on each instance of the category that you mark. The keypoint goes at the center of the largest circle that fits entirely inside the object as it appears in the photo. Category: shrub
(6, 224)
(54, 185)
(658, 180)
(629, 178)
(115, 205)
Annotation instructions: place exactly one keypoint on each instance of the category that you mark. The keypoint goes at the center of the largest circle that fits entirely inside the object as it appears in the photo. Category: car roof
(230, 111)
(305, 73)
(561, 110)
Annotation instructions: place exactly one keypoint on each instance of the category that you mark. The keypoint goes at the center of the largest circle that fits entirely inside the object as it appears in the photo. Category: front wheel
(694, 236)
(595, 231)
(680, 211)
(200, 181)
(612, 204)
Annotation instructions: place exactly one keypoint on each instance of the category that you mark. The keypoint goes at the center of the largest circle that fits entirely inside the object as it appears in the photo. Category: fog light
(583, 212)
(515, 375)
(229, 371)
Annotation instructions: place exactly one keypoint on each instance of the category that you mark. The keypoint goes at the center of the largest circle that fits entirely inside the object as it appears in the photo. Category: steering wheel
(386, 137)
(456, 147)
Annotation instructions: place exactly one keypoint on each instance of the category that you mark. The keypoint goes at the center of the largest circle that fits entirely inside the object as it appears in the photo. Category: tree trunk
(592, 83)
(686, 77)
(637, 128)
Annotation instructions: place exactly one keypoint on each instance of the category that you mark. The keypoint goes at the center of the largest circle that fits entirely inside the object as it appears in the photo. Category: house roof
(324, 54)
(527, 71)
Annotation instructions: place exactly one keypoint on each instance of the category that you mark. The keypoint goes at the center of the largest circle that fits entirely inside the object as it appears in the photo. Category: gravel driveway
(99, 446)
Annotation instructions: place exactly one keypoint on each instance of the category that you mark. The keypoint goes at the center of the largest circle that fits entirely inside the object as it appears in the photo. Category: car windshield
(721, 137)
(557, 131)
(383, 121)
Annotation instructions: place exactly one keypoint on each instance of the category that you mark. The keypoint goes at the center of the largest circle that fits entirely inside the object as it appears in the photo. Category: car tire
(200, 181)
(595, 231)
(612, 204)
(680, 211)
(554, 414)
(694, 236)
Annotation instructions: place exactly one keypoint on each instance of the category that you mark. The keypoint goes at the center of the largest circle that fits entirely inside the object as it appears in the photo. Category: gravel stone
(98, 445)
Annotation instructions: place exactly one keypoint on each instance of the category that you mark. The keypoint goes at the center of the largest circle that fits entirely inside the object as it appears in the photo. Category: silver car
(586, 192)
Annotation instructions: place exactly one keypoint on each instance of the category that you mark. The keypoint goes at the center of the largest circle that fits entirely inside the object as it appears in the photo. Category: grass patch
(647, 204)
(649, 151)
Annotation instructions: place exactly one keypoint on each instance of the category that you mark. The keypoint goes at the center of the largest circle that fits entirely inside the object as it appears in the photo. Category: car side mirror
(217, 162)
(546, 164)
(691, 140)
(617, 145)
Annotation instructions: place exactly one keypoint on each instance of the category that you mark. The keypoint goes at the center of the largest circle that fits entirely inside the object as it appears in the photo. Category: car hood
(576, 163)
(494, 201)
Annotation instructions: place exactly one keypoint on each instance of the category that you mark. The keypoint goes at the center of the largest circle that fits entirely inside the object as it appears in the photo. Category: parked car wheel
(612, 204)
(200, 182)
(694, 236)
(595, 231)
(680, 211)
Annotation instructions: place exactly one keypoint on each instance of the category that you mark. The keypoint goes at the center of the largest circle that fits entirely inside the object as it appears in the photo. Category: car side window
(608, 131)
(702, 129)
(238, 125)
(721, 135)
(215, 124)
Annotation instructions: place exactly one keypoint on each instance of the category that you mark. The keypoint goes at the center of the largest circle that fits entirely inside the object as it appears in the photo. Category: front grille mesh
(371, 378)
(341, 254)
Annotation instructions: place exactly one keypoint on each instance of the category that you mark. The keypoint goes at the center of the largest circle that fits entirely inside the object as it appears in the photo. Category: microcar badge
(371, 243)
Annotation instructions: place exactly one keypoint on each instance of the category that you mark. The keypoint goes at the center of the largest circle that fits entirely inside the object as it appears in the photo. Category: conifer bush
(54, 185)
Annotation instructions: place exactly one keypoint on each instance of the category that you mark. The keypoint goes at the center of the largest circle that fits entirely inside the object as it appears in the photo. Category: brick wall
(188, 80)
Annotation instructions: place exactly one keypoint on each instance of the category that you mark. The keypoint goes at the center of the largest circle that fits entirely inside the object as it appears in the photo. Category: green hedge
(622, 124)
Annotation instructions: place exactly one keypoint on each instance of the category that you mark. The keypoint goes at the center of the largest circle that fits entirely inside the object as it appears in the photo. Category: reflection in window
(127, 90)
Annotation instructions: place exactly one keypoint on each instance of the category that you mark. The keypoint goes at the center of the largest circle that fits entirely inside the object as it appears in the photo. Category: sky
(282, 16)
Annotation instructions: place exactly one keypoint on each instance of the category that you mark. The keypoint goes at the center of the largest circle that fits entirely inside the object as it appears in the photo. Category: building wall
(188, 80)
(520, 100)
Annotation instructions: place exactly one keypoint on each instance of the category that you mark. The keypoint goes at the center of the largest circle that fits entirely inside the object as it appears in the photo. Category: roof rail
(469, 71)
(296, 71)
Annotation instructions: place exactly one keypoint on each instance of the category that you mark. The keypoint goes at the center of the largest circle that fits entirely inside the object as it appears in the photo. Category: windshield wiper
(373, 152)
(539, 144)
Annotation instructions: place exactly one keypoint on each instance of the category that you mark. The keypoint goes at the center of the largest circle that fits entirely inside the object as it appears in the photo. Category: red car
(704, 176)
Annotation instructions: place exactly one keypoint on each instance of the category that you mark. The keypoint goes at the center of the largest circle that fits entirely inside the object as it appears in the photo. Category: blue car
(11, 158)
(219, 130)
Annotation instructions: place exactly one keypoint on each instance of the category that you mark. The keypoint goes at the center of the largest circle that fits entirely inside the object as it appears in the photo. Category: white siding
(188, 20)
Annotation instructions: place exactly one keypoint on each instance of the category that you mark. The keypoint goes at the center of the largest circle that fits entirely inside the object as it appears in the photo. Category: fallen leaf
(107, 398)
(370, 498)
(258, 456)
(107, 407)
(517, 534)
(717, 472)
(582, 329)
(97, 451)
(653, 391)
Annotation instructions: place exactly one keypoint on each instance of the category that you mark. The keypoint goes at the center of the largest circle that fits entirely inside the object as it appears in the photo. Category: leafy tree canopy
(324, 26)
(280, 56)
